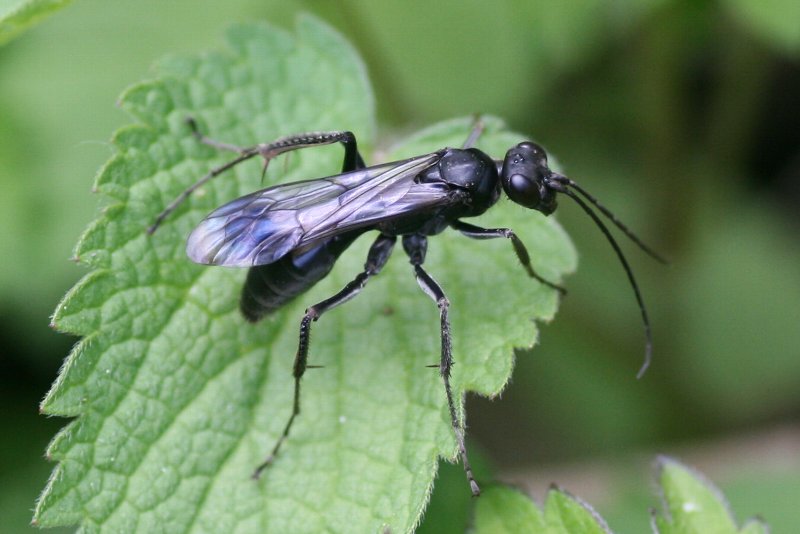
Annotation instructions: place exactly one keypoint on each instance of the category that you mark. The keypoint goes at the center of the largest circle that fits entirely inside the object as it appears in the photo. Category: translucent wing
(264, 226)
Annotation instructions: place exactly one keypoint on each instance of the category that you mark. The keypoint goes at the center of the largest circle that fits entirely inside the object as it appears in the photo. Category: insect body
(291, 235)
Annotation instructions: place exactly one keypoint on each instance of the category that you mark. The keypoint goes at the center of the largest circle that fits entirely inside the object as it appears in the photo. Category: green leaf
(566, 514)
(502, 510)
(177, 398)
(505, 510)
(18, 15)
(693, 504)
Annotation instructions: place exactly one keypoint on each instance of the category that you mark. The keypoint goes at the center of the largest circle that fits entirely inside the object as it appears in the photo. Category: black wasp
(290, 235)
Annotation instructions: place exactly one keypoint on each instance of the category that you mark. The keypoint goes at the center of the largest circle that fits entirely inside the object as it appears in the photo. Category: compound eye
(524, 190)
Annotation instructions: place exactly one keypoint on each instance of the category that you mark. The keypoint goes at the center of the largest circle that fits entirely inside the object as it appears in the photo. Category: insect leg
(352, 158)
(268, 151)
(416, 246)
(476, 232)
(377, 257)
(477, 129)
(219, 145)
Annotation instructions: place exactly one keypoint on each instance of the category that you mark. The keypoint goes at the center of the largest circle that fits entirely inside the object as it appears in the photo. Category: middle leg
(416, 246)
(378, 255)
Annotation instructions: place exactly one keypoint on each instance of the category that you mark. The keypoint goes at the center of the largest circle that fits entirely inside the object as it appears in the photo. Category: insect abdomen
(268, 287)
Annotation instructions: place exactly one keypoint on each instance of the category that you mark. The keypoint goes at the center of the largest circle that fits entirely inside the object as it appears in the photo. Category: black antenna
(648, 351)
(613, 218)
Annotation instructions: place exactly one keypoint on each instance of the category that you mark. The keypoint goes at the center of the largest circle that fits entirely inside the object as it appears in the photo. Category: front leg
(476, 232)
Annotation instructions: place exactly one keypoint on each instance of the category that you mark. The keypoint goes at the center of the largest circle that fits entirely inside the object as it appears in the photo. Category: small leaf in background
(177, 398)
(566, 514)
(693, 505)
(503, 510)
(18, 15)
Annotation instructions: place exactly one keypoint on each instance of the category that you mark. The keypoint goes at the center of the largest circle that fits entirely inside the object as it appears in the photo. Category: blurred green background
(682, 116)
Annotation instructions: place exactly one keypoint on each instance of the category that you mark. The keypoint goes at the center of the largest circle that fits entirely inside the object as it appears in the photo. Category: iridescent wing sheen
(264, 226)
